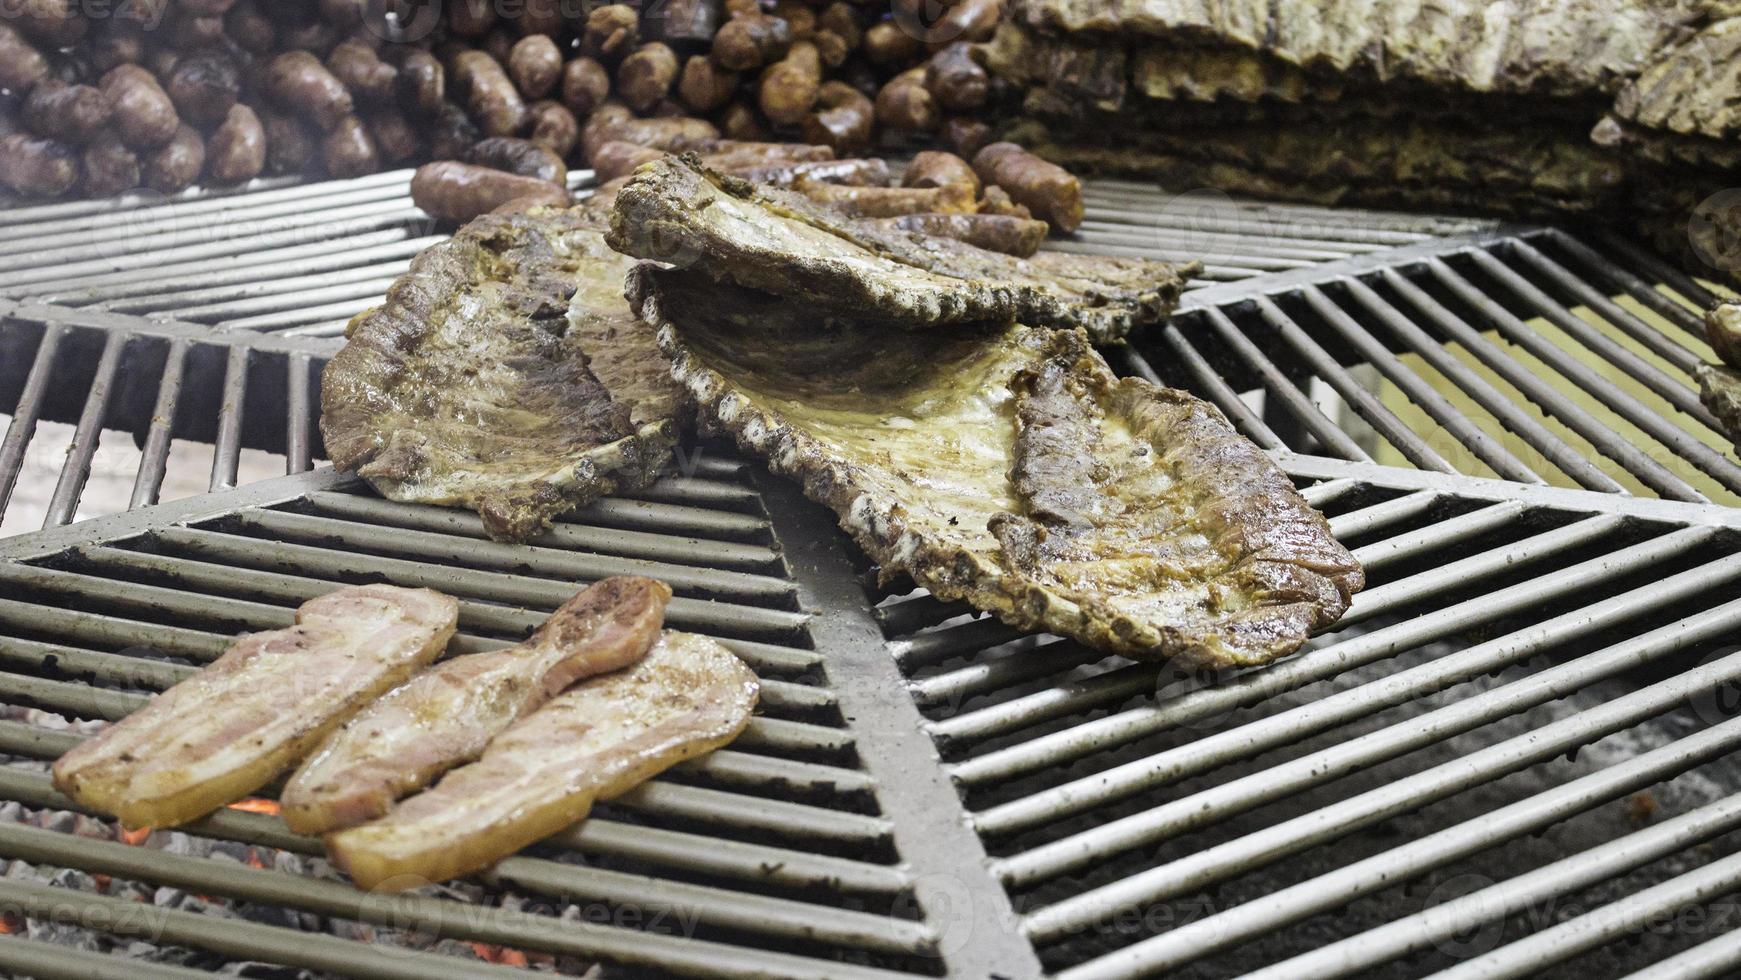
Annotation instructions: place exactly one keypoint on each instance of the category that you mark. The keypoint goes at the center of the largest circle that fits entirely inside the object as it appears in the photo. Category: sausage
(797, 14)
(540, 17)
(471, 18)
(71, 113)
(37, 167)
(250, 28)
(739, 121)
(518, 156)
(611, 32)
(843, 20)
(455, 191)
(585, 86)
(369, 79)
(176, 164)
(203, 86)
(887, 45)
(996, 200)
(751, 40)
(684, 23)
(704, 86)
(613, 121)
(315, 36)
(535, 65)
(143, 115)
(1004, 233)
(110, 168)
(56, 23)
(290, 147)
(450, 132)
(553, 127)
(237, 148)
(396, 139)
(191, 32)
(1052, 193)
(645, 77)
(964, 136)
(348, 150)
(932, 168)
(870, 172)
(300, 85)
(905, 105)
(490, 97)
(845, 120)
(887, 202)
(109, 47)
(619, 159)
(973, 21)
(830, 47)
(958, 81)
(790, 86)
(759, 151)
(421, 85)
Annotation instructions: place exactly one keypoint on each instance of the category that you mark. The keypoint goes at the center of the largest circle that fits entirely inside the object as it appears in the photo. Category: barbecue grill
(1511, 758)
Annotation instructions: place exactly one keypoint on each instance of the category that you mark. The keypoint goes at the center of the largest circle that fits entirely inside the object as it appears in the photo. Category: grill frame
(910, 756)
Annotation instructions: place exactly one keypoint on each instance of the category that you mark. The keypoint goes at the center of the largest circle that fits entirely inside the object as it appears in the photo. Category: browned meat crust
(1009, 467)
(470, 385)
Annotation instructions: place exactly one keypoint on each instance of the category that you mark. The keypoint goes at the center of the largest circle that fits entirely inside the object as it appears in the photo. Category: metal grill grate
(1434, 781)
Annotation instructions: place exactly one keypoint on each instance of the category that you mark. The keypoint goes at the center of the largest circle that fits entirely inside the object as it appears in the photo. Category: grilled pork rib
(688, 696)
(445, 716)
(231, 728)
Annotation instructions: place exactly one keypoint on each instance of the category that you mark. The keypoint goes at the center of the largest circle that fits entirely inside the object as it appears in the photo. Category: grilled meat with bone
(688, 696)
(675, 211)
(233, 727)
(472, 386)
(445, 716)
(1007, 466)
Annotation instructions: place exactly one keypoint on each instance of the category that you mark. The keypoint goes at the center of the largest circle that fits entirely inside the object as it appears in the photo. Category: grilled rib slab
(1009, 467)
(677, 212)
(231, 728)
(688, 696)
(471, 385)
(446, 715)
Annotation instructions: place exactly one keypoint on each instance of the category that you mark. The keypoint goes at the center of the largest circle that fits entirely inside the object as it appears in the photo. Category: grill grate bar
(201, 292)
(194, 201)
(1413, 544)
(1610, 394)
(64, 505)
(1711, 960)
(28, 410)
(1276, 382)
(48, 960)
(1486, 448)
(226, 454)
(1678, 312)
(1209, 381)
(159, 436)
(1379, 516)
(1650, 337)
(1201, 868)
(1621, 918)
(1416, 932)
(1320, 663)
(301, 302)
(1605, 440)
(1362, 401)
(1663, 271)
(298, 454)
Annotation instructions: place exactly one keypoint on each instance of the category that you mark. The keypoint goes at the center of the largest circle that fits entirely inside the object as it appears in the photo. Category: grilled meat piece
(1680, 107)
(445, 716)
(773, 240)
(1008, 466)
(688, 696)
(471, 385)
(228, 730)
(1720, 392)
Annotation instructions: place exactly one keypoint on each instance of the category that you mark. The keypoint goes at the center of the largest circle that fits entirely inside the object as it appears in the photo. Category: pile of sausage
(166, 93)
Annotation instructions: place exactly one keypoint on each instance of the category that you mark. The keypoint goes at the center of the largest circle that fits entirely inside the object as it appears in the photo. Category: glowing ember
(256, 805)
(134, 837)
(499, 954)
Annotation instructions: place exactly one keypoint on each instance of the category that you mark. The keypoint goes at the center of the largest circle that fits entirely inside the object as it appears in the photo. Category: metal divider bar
(28, 410)
(64, 504)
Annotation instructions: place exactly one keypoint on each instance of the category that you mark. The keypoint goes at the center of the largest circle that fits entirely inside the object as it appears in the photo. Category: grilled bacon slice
(445, 716)
(688, 696)
(230, 729)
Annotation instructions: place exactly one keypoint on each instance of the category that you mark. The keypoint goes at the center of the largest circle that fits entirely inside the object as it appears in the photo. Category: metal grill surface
(1509, 759)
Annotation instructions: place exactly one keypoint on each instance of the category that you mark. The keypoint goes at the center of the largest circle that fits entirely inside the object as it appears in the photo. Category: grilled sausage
(300, 85)
(449, 132)
(1004, 233)
(143, 115)
(70, 113)
(349, 150)
(750, 40)
(845, 120)
(290, 147)
(396, 139)
(535, 65)
(585, 86)
(790, 86)
(422, 82)
(611, 32)
(489, 95)
(740, 121)
(905, 105)
(21, 65)
(645, 77)
(888, 202)
(704, 86)
(553, 127)
(518, 156)
(887, 45)
(37, 167)
(932, 168)
(176, 164)
(471, 18)
(371, 80)
(956, 79)
(203, 86)
(237, 148)
(964, 136)
(455, 191)
(110, 168)
(613, 121)
(1046, 189)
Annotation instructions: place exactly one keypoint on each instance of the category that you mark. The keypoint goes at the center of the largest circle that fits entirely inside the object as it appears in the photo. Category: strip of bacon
(230, 729)
(445, 716)
(688, 696)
